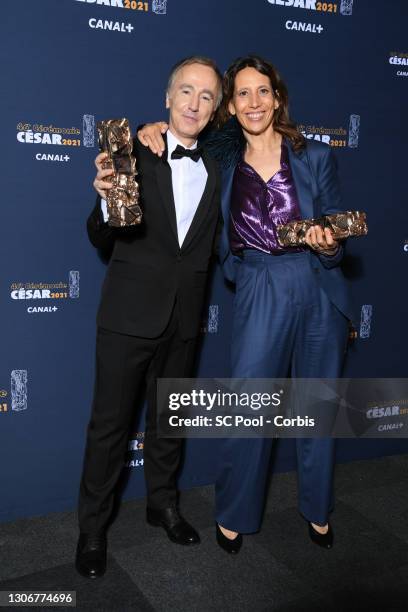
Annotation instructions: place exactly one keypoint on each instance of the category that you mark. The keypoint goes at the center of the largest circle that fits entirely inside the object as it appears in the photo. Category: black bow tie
(193, 154)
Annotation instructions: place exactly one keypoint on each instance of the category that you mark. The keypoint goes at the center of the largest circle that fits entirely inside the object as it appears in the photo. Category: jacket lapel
(226, 187)
(205, 201)
(163, 176)
(301, 176)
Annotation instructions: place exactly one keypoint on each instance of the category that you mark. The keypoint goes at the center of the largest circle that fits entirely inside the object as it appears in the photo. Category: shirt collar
(172, 143)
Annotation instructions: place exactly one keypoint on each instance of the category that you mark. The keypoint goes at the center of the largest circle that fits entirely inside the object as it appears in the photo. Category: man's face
(192, 101)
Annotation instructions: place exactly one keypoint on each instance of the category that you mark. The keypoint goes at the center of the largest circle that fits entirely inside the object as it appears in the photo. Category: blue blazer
(314, 172)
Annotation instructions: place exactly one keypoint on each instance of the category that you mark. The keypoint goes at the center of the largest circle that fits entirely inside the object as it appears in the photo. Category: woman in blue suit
(291, 310)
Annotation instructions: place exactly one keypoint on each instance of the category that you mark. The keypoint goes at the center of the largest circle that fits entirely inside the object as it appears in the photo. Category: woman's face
(253, 102)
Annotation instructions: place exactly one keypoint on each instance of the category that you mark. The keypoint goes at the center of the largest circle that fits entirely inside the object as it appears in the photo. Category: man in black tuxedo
(150, 310)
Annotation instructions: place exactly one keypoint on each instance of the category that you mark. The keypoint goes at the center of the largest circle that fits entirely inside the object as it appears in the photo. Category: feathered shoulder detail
(226, 144)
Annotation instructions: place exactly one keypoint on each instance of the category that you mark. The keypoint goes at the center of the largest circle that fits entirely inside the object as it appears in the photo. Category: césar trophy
(342, 225)
(123, 198)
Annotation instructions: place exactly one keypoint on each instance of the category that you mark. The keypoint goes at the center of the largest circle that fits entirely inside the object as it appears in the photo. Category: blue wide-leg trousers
(284, 323)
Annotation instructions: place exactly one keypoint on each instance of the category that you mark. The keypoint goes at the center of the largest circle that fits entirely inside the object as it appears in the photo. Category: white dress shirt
(188, 179)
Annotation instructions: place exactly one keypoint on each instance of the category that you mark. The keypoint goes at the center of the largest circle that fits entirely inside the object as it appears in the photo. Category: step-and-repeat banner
(69, 63)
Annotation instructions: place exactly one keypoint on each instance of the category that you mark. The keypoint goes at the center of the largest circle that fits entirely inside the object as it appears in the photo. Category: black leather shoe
(91, 555)
(325, 540)
(176, 527)
(230, 546)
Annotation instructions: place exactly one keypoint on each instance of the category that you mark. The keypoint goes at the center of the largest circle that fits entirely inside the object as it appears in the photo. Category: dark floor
(277, 569)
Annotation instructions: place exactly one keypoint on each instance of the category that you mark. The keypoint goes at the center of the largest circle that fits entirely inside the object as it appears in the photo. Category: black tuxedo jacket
(148, 271)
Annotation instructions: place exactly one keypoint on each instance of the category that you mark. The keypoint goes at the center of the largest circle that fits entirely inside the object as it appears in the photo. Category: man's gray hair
(196, 59)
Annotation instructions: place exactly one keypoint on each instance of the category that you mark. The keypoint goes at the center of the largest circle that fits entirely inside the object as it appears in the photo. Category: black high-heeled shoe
(230, 546)
(325, 540)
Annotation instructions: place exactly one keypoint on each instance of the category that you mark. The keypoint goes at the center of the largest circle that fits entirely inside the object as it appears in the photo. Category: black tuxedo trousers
(148, 322)
(124, 364)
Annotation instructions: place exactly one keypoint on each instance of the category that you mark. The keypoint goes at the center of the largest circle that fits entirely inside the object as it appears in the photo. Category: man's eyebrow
(187, 86)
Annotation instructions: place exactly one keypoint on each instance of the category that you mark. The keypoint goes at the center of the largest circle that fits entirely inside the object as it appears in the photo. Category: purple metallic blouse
(258, 207)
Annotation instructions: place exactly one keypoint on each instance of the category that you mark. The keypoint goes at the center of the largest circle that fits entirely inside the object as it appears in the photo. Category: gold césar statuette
(123, 198)
(342, 225)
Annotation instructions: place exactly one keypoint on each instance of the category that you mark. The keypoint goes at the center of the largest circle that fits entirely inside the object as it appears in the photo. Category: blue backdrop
(70, 63)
